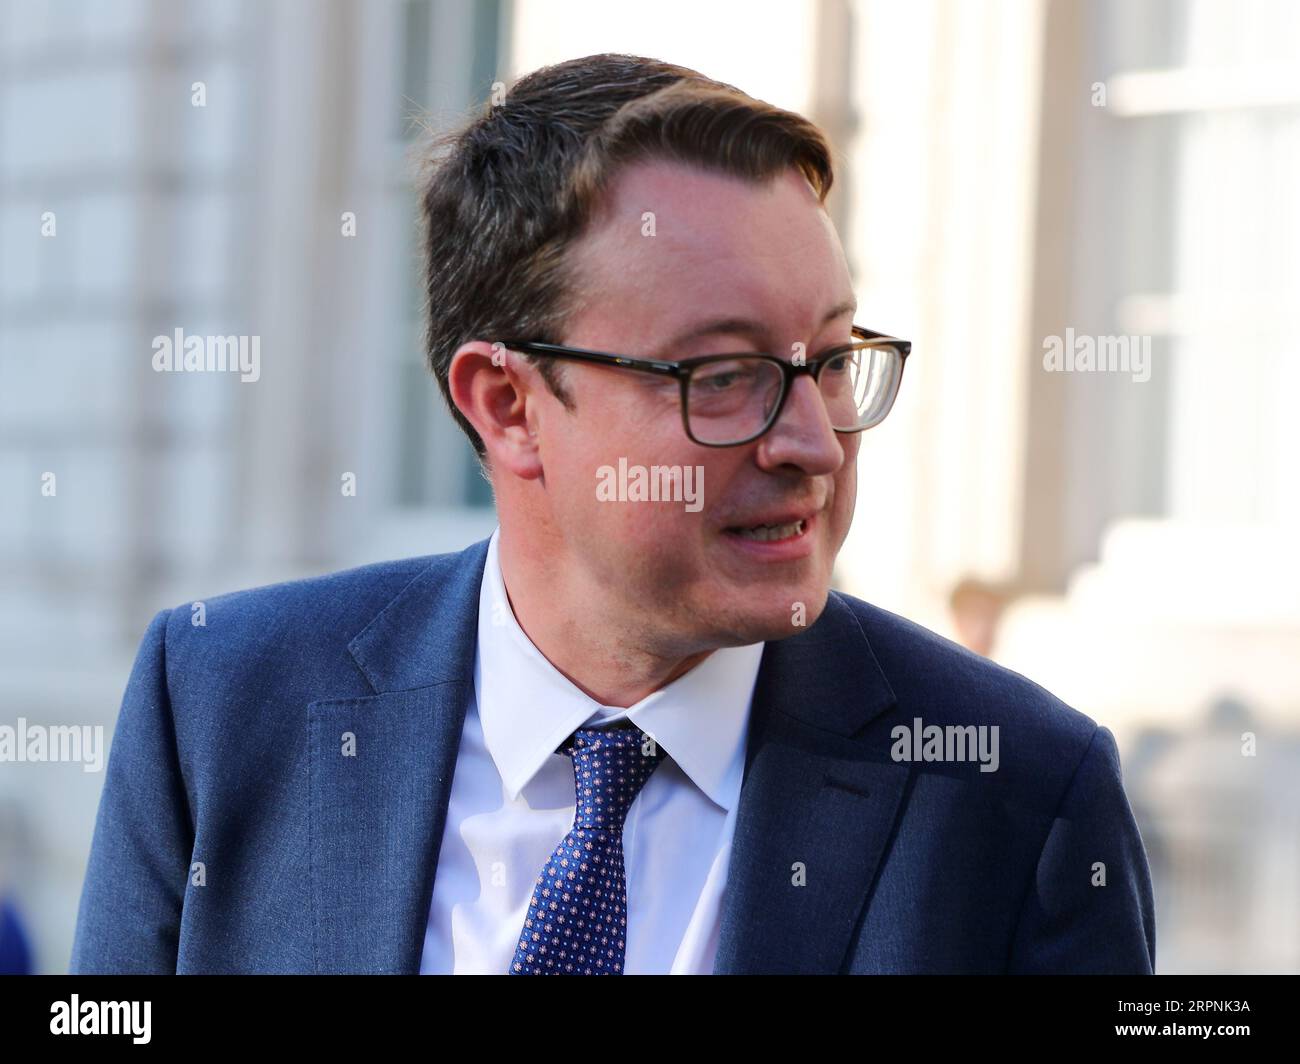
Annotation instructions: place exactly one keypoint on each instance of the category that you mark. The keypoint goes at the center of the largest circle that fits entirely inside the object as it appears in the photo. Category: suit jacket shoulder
(1041, 738)
(1045, 867)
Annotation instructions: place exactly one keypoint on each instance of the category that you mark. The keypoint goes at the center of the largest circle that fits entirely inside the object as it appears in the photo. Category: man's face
(721, 248)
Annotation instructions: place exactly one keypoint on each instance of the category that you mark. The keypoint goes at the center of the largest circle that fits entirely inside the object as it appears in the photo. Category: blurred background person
(976, 609)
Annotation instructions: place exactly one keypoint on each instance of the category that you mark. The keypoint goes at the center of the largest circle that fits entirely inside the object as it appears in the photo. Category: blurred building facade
(1008, 171)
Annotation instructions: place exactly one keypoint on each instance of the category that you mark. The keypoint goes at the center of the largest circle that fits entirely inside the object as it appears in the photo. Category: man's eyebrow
(743, 326)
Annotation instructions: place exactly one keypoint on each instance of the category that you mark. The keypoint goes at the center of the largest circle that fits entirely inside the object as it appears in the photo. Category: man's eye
(725, 376)
(718, 382)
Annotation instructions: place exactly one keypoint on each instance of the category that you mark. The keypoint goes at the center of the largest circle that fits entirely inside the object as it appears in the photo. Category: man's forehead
(683, 205)
(675, 237)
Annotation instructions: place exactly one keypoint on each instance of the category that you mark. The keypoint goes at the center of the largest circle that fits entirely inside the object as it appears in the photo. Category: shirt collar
(527, 707)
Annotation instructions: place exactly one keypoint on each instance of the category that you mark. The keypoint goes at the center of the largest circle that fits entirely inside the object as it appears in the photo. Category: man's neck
(597, 655)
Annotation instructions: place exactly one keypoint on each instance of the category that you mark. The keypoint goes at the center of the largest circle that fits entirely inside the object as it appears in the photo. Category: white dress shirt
(513, 800)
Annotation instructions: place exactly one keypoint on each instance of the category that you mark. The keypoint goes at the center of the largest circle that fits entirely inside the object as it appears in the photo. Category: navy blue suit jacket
(232, 836)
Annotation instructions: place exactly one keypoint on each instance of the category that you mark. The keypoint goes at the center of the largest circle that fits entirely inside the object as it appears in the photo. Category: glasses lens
(731, 400)
(859, 386)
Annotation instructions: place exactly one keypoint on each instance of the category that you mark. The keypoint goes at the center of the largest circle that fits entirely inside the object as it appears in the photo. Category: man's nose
(802, 435)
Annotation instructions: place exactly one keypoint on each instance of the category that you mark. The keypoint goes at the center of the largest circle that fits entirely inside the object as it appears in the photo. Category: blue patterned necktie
(577, 918)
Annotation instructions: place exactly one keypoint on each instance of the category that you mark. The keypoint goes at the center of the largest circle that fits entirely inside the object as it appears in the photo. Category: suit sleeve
(130, 911)
(1073, 921)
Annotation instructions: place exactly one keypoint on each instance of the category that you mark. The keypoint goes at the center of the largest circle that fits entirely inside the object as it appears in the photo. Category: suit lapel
(380, 771)
(816, 806)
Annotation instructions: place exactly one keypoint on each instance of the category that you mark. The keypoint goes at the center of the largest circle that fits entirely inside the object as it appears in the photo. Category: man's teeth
(765, 533)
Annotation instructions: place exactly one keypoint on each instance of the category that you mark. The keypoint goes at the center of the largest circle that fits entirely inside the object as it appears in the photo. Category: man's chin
(779, 619)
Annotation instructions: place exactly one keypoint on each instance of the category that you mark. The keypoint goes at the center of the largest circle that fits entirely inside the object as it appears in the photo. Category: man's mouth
(769, 533)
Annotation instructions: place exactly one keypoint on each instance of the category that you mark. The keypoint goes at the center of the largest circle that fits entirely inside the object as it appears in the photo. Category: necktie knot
(610, 766)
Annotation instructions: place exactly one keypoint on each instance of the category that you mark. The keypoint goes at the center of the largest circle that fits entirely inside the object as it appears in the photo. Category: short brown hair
(504, 195)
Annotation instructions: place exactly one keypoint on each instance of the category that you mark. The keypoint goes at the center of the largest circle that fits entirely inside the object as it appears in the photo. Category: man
(634, 731)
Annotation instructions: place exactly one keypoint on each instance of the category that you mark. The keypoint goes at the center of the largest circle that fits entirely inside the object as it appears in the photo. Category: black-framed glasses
(732, 399)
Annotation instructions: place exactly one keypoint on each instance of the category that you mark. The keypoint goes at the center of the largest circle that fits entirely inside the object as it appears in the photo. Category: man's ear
(497, 391)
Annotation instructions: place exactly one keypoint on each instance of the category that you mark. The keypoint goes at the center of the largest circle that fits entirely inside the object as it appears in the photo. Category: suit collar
(425, 635)
(815, 805)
